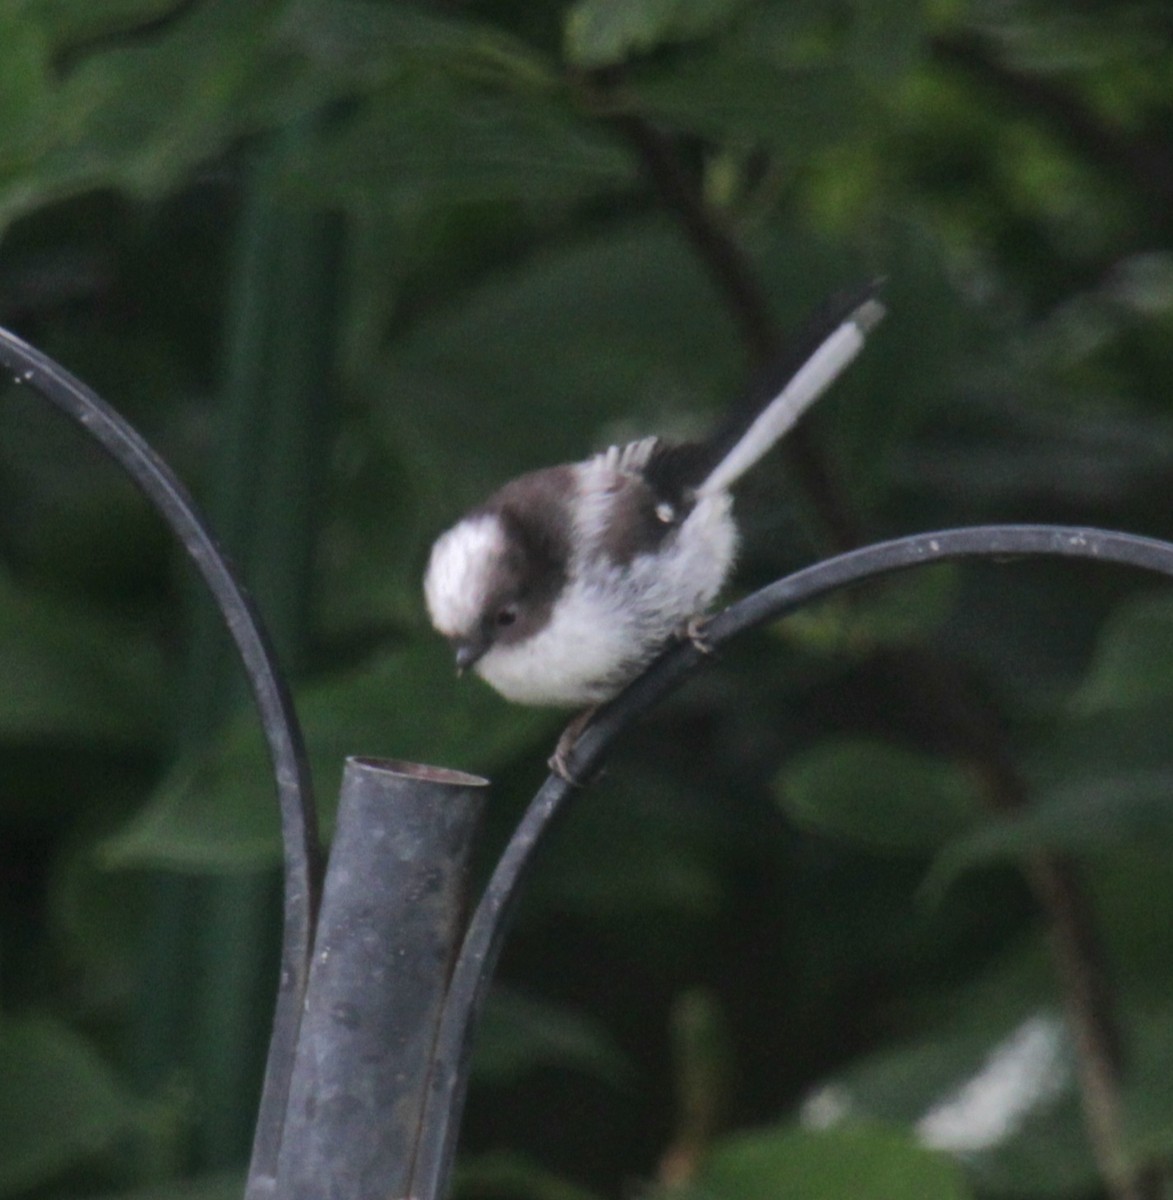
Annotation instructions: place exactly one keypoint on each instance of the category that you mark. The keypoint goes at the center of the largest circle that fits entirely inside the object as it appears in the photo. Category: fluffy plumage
(566, 582)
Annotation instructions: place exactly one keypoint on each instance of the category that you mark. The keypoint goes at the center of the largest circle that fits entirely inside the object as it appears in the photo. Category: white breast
(611, 620)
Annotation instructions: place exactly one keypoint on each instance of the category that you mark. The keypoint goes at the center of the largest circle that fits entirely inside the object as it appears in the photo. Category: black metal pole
(30, 368)
(392, 916)
(482, 945)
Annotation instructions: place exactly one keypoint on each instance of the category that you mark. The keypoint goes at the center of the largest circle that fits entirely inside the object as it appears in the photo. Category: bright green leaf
(879, 794)
(869, 1163)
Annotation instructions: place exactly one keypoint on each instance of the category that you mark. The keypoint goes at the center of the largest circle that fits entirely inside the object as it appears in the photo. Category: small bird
(565, 583)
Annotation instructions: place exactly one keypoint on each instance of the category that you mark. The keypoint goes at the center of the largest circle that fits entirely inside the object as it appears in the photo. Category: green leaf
(220, 814)
(1133, 664)
(1093, 816)
(69, 673)
(794, 111)
(1143, 283)
(210, 1187)
(603, 338)
(579, 346)
(153, 111)
(1104, 745)
(24, 89)
(59, 1107)
(869, 1163)
(505, 1173)
(141, 114)
(521, 1034)
(1149, 1087)
(433, 142)
(602, 33)
(1132, 899)
(879, 794)
(1063, 40)
(371, 43)
(68, 21)
(885, 40)
(1101, 781)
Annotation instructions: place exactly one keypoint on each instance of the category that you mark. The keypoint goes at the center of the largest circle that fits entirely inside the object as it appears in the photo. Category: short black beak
(468, 653)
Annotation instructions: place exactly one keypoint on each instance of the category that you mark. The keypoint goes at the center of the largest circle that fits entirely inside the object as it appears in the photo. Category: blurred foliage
(348, 264)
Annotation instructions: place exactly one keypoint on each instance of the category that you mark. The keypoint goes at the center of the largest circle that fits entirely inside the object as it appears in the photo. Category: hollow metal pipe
(392, 916)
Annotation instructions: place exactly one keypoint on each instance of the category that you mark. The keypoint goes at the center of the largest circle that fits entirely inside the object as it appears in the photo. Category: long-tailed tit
(565, 583)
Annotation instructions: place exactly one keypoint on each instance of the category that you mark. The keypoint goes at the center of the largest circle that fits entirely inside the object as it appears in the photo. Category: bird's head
(487, 585)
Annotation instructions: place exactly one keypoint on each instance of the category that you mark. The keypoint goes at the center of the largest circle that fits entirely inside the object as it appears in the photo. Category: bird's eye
(506, 617)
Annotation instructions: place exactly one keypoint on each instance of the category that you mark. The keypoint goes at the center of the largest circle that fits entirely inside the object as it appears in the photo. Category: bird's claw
(558, 764)
(559, 761)
(694, 631)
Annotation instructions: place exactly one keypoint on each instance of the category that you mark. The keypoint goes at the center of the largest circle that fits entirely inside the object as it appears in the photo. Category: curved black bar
(482, 943)
(299, 826)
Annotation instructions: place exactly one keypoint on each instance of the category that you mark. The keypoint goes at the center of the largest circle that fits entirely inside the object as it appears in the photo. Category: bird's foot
(560, 760)
(693, 630)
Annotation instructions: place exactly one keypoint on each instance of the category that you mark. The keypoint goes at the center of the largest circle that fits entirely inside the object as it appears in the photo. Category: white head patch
(456, 583)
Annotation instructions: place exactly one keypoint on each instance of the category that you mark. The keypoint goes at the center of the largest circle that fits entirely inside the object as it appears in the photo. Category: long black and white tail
(834, 339)
(810, 364)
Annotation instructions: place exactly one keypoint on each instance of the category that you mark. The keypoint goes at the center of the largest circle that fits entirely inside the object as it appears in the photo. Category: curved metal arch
(299, 827)
(481, 948)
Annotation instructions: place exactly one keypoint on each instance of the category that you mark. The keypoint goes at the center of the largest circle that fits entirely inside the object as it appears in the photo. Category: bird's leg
(570, 735)
(693, 630)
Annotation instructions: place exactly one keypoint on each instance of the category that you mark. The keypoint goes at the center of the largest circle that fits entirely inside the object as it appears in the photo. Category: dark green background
(349, 264)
